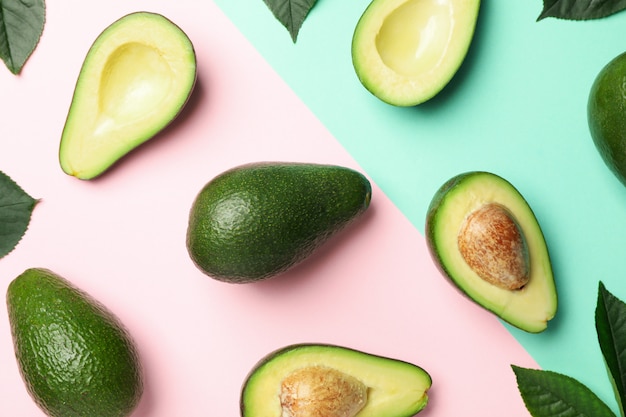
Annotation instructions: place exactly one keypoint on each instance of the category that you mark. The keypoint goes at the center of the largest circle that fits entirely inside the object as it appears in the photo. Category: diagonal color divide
(517, 108)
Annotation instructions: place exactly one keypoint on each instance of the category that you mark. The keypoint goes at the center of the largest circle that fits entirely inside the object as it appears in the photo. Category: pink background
(121, 237)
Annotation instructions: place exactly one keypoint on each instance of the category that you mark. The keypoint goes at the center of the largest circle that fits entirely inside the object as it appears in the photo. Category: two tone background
(516, 108)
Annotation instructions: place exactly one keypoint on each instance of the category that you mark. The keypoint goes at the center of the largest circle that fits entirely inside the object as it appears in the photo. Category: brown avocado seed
(494, 246)
(319, 391)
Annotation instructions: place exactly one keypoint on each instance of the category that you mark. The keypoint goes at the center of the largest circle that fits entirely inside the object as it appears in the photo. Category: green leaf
(580, 9)
(15, 212)
(549, 394)
(611, 329)
(291, 13)
(21, 26)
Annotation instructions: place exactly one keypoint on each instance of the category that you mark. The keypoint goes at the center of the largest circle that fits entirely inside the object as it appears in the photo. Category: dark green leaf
(549, 394)
(21, 26)
(580, 9)
(15, 211)
(291, 13)
(611, 329)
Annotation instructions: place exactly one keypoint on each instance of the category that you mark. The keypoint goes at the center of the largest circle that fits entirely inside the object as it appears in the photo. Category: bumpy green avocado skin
(257, 220)
(606, 115)
(136, 78)
(74, 355)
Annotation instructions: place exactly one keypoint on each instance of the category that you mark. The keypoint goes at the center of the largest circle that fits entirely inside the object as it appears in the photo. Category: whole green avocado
(257, 220)
(75, 356)
(606, 115)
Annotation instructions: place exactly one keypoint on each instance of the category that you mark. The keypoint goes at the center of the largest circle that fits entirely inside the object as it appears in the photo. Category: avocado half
(406, 51)
(136, 78)
(333, 381)
(508, 241)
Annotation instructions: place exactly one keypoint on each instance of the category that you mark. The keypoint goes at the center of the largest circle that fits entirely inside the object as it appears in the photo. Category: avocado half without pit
(305, 380)
(484, 237)
(136, 78)
(406, 51)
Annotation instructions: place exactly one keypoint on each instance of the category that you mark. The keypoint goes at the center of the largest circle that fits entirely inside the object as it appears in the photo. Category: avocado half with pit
(484, 237)
(406, 51)
(333, 381)
(136, 78)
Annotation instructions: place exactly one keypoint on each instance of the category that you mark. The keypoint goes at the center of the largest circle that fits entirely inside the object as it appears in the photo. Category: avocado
(333, 381)
(406, 51)
(136, 78)
(257, 220)
(486, 240)
(75, 356)
(606, 115)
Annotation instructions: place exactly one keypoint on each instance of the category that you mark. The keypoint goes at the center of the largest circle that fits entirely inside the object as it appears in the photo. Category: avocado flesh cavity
(257, 220)
(135, 79)
(394, 388)
(532, 305)
(75, 356)
(606, 115)
(406, 51)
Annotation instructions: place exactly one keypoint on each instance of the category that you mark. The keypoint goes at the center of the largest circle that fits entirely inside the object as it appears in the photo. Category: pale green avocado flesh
(393, 388)
(529, 307)
(406, 51)
(136, 78)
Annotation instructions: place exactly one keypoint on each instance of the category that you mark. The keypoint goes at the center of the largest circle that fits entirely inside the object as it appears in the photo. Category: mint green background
(517, 108)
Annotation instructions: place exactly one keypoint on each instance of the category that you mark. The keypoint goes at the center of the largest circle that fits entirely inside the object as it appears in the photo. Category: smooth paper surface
(373, 288)
(517, 108)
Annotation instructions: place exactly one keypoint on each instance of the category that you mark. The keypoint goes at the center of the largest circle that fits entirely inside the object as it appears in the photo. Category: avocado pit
(320, 391)
(493, 245)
